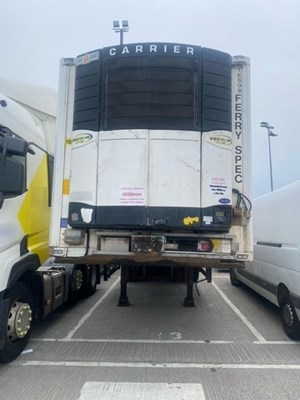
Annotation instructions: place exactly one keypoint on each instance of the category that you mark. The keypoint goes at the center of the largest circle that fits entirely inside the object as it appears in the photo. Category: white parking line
(279, 342)
(134, 341)
(91, 310)
(155, 341)
(255, 332)
(138, 390)
(102, 364)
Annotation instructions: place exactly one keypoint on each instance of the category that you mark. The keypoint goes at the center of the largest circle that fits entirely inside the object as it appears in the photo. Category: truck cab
(27, 130)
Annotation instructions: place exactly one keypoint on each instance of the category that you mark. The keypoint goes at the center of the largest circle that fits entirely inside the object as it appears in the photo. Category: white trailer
(275, 270)
(153, 159)
(29, 291)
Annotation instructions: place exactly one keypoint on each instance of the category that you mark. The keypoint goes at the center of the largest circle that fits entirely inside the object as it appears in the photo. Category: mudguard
(4, 307)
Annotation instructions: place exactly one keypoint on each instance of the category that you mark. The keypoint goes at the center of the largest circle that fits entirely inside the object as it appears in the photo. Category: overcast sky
(35, 34)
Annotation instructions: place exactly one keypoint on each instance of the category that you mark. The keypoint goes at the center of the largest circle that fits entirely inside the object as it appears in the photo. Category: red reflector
(204, 245)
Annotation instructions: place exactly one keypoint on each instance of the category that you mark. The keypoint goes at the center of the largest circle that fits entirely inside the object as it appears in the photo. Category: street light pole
(118, 29)
(270, 133)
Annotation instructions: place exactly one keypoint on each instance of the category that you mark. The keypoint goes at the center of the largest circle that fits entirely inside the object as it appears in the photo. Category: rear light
(205, 246)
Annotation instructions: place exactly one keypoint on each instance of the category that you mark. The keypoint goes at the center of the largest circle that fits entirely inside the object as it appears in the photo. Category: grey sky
(36, 34)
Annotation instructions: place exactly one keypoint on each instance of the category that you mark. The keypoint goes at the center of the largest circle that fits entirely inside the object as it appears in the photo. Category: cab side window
(50, 161)
(12, 172)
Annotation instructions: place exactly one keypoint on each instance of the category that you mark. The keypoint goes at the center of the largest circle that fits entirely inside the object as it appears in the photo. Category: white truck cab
(31, 285)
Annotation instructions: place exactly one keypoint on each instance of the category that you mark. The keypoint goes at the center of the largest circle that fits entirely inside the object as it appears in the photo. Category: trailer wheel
(89, 280)
(18, 321)
(233, 278)
(289, 319)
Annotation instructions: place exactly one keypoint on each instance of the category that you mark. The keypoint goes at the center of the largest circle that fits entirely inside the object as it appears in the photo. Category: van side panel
(276, 219)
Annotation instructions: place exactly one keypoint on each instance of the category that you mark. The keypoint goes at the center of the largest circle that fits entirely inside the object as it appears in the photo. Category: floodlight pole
(270, 133)
(121, 36)
(118, 29)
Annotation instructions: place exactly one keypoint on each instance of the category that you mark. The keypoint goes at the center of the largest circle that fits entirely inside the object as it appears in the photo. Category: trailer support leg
(123, 299)
(105, 273)
(189, 300)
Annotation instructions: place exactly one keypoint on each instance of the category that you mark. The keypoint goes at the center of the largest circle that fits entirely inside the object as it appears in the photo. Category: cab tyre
(18, 321)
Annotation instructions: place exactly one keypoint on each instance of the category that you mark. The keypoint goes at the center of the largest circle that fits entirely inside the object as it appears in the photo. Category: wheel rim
(78, 279)
(19, 320)
(287, 314)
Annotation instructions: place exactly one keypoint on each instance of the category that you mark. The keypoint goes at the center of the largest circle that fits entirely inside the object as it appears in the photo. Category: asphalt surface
(231, 346)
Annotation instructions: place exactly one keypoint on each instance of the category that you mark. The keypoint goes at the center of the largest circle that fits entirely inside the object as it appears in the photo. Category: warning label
(132, 196)
(218, 186)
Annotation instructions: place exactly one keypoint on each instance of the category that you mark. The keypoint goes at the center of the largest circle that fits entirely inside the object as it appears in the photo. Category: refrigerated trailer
(153, 160)
(275, 270)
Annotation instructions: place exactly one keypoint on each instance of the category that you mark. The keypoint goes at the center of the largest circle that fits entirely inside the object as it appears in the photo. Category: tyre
(233, 278)
(76, 285)
(289, 319)
(18, 321)
(89, 280)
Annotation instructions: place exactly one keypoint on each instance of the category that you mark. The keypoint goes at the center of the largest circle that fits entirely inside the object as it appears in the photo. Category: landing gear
(191, 278)
(189, 299)
(123, 300)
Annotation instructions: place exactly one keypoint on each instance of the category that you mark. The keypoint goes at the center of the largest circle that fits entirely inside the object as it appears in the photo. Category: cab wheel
(18, 321)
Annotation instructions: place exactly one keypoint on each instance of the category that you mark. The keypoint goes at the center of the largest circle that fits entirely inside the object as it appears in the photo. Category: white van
(275, 271)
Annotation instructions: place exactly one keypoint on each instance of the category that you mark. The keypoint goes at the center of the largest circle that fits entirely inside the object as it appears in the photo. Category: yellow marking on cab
(34, 214)
(190, 220)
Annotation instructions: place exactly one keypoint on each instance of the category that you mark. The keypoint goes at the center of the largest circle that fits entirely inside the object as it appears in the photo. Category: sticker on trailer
(87, 58)
(64, 222)
(220, 140)
(218, 186)
(132, 196)
(81, 139)
(86, 214)
(207, 219)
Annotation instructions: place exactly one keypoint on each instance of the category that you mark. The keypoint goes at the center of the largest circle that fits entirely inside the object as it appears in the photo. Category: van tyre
(289, 319)
(18, 321)
(233, 278)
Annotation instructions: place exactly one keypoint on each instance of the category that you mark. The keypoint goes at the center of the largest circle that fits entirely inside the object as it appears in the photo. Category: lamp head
(264, 124)
(116, 24)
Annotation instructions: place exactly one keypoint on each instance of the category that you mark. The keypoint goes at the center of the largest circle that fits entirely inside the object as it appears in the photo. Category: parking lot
(231, 346)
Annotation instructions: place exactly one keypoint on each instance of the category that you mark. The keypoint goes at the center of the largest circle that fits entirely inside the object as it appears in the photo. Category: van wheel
(289, 319)
(18, 321)
(233, 278)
